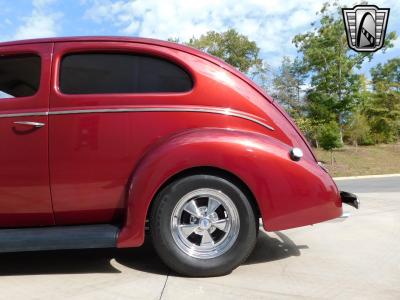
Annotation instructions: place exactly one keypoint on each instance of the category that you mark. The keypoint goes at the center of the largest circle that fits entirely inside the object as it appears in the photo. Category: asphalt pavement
(355, 259)
(371, 185)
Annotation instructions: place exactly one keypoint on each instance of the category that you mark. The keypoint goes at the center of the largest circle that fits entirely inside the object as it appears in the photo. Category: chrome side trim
(32, 114)
(226, 112)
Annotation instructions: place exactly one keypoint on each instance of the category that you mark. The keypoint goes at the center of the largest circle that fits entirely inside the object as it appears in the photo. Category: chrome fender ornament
(296, 154)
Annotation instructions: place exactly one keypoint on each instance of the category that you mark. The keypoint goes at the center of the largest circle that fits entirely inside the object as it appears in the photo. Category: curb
(366, 176)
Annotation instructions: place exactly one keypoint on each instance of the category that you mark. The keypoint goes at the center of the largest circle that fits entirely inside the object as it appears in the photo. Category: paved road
(355, 259)
(371, 185)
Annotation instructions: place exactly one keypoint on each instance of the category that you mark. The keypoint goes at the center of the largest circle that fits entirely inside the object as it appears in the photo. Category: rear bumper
(350, 199)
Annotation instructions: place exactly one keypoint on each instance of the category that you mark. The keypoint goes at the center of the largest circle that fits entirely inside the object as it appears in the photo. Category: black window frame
(127, 53)
(39, 78)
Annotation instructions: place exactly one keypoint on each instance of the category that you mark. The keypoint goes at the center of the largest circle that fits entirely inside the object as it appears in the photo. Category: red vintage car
(102, 138)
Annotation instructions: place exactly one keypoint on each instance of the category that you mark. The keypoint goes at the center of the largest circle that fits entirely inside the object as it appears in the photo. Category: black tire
(167, 248)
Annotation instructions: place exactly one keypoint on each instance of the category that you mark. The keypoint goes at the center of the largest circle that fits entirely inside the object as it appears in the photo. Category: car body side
(109, 154)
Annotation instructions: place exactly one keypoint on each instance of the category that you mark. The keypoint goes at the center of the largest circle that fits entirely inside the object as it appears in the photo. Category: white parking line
(366, 176)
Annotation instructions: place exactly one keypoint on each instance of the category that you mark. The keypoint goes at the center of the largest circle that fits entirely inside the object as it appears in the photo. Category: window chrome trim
(226, 112)
(30, 114)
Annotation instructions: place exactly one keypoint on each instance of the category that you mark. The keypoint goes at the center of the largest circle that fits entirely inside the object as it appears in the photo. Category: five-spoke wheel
(203, 225)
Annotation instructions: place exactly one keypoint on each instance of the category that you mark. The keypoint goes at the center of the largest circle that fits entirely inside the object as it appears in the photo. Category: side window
(19, 76)
(105, 73)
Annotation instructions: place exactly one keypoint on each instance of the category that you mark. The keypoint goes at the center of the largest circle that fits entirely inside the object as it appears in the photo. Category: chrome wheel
(205, 223)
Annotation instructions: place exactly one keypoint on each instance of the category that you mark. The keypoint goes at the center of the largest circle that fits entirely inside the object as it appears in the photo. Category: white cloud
(42, 3)
(272, 24)
(38, 25)
(42, 22)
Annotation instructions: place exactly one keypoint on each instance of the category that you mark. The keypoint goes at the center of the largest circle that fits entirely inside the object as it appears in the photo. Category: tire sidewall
(166, 246)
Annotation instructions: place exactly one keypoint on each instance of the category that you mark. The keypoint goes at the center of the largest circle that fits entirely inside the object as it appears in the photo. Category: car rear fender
(260, 161)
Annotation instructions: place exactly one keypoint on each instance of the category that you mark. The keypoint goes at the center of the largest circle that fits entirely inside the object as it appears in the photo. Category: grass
(363, 160)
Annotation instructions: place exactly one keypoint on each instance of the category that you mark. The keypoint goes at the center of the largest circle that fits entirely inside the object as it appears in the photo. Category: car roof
(112, 39)
(148, 41)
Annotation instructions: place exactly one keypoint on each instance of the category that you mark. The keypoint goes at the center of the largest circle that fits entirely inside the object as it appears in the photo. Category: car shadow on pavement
(81, 261)
(141, 259)
(270, 248)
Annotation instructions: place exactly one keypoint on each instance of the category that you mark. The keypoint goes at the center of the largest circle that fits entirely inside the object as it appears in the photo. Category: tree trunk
(341, 133)
(298, 94)
(332, 158)
(340, 128)
(340, 89)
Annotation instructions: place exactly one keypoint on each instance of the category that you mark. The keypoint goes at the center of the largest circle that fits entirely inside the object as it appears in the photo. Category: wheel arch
(215, 171)
(207, 150)
(288, 193)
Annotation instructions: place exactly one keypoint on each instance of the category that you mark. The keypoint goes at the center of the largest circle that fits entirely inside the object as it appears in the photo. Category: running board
(58, 237)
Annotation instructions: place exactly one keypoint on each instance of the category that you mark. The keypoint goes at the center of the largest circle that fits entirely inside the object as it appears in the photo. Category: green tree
(387, 75)
(235, 49)
(357, 130)
(287, 86)
(329, 137)
(310, 128)
(383, 105)
(330, 63)
(232, 47)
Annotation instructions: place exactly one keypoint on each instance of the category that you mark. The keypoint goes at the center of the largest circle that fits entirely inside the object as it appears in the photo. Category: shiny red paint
(288, 193)
(24, 171)
(107, 166)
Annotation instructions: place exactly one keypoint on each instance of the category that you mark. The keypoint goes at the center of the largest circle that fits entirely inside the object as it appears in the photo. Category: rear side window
(19, 76)
(105, 73)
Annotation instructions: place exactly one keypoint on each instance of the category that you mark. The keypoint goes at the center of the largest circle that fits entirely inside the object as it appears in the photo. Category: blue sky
(272, 24)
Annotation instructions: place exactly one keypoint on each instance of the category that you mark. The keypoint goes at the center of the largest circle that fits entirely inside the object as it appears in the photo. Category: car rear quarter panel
(92, 154)
(104, 165)
(288, 193)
